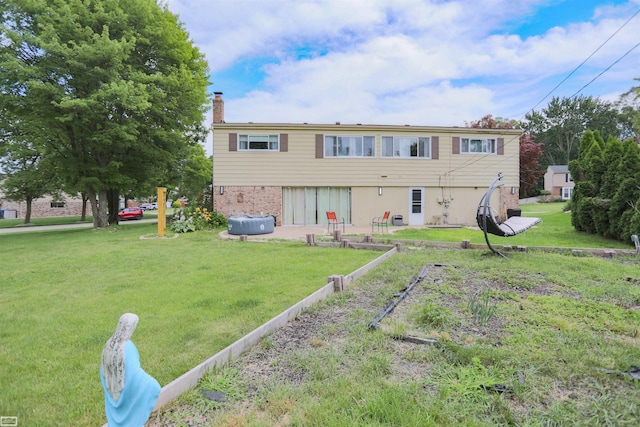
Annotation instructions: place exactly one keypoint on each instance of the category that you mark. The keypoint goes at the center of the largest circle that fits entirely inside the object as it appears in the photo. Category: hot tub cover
(251, 224)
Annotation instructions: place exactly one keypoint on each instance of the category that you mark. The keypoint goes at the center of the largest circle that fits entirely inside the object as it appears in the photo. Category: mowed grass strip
(61, 294)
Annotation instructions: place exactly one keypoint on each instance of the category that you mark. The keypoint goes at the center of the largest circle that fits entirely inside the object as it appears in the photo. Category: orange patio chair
(381, 222)
(333, 221)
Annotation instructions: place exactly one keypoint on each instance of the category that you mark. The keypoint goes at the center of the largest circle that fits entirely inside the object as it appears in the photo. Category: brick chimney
(218, 108)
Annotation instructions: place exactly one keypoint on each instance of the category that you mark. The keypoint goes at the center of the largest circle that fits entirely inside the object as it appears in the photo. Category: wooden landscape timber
(190, 379)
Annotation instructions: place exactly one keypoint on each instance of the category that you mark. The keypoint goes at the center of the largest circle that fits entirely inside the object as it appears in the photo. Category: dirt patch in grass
(436, 308)
(326, 324)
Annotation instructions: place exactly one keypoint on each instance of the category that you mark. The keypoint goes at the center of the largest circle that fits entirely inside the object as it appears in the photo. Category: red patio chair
(332, 220)
(381, 221)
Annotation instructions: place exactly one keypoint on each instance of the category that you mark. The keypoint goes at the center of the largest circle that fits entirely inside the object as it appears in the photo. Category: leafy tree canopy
(560, 126)
(530, 171)
(490, 122)
(629, 107)
(29, 175)
(111, 90)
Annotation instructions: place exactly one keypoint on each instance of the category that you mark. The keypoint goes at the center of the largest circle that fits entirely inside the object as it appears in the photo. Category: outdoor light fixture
(222, 189)
(379, 191)
(513, 190)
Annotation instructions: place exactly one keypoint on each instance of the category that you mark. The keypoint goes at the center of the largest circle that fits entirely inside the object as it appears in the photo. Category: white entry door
(416, 206)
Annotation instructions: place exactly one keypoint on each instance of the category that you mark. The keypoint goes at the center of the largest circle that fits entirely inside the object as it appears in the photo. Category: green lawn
(52, 220)
(555, 230)
(557, 322)
(61, 294)
(62, 220)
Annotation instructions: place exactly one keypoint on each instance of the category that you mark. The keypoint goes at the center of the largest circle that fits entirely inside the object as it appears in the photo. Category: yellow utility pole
(162, 211)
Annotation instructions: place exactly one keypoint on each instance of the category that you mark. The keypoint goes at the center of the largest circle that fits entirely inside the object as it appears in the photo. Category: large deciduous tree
(530, 172)
(112, 90)
(629, 107)
(559, 127)
(29, 175)
(196, 173)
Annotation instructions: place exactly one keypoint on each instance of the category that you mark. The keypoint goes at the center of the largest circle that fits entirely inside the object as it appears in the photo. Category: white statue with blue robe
(129, 392)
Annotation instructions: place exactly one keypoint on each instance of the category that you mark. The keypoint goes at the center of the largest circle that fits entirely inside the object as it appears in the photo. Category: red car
(131, 213)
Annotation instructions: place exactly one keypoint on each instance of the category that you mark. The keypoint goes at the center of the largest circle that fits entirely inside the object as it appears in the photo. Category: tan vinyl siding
(299, 166)
(461, 210)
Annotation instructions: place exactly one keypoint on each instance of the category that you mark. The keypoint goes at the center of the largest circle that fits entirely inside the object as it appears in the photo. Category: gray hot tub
(251, 224)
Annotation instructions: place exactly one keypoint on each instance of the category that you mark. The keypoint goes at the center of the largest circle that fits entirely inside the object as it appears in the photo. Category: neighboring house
(558, 181)
(299, 171)
(42, 207)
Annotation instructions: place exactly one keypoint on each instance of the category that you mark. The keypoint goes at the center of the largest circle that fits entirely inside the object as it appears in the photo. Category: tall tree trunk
(27, 215)
(85, 199)
(114, 205)
(98, 208)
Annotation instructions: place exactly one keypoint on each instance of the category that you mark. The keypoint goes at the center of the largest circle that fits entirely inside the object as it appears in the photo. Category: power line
(477, 159)
(605, 70)
(588, 58)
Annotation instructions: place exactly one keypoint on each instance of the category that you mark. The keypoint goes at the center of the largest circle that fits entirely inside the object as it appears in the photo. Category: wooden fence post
(338, 282)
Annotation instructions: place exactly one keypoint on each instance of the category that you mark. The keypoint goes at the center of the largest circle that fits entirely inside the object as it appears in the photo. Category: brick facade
(41, 208)
(253, 200)
(508, 200)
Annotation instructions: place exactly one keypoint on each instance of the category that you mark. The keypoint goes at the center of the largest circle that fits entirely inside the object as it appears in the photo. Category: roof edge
(357, 126)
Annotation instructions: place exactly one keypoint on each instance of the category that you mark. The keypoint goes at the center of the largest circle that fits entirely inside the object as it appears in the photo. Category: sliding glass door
(309, 205)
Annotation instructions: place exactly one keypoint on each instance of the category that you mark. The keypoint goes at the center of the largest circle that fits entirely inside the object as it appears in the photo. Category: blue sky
(419, 62)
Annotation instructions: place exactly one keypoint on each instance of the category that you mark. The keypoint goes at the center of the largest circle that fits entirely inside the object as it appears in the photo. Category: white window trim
(427, 155)
(339, 156)
(470, 138)
(567, 189)
(262, 135)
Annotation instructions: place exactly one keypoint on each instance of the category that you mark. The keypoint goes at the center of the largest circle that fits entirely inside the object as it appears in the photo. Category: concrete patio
(299, 232)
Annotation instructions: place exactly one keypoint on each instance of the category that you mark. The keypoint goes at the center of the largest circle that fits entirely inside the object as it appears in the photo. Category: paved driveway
(28, 228)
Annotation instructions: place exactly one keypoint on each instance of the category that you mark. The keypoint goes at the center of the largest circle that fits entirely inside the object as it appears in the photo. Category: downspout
(218, 117)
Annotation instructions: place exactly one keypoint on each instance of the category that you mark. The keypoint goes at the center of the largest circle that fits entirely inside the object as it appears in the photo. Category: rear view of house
(299, 171)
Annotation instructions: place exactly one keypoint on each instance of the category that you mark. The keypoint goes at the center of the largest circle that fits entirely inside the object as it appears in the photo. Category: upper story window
(406, 147)
(258, 142)
(477, 145)
(349, 146)
(568, 178)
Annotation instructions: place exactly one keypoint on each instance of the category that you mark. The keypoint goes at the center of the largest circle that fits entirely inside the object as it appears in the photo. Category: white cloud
(405, 61)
